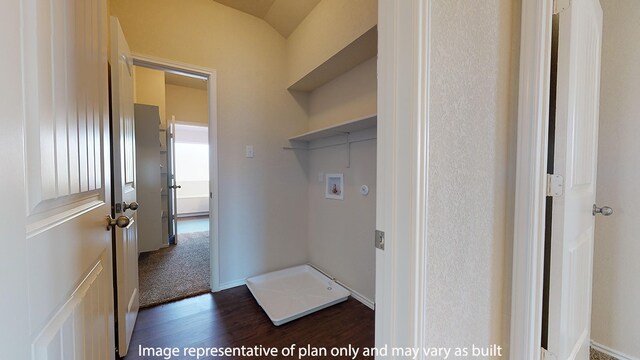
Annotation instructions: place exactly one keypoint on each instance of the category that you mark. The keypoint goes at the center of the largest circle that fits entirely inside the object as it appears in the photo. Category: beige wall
(340, 231)
(616, 289)
(254, 108)
(350, 96)
(471, 121)
(330, 26)
(149, 88)
(187, 104)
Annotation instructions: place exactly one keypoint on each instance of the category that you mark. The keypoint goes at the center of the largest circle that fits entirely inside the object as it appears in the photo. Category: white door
(576, 134)
(124, 186)
(57, 300)
(171, 180)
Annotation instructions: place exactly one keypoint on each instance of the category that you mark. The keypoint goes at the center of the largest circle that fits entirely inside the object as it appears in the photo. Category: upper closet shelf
(360, 50)
(350, 126)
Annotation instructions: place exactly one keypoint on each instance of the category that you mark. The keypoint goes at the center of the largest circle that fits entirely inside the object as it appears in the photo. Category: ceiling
(282, 15)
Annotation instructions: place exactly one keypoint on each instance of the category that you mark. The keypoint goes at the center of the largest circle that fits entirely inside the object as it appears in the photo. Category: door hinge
(118, 208)
(380, 239)
(547, 355)
(560, 6)
(555, 185)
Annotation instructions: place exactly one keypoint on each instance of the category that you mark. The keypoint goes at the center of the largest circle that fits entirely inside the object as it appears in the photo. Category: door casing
(402, 172)
(531, 174)
(210, 75)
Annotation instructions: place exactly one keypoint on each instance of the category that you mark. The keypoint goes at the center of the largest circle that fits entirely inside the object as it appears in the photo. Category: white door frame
(210, 74)
(402, 170)
(531, 179)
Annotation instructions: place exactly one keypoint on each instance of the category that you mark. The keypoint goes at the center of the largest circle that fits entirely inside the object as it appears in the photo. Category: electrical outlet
(249, 151)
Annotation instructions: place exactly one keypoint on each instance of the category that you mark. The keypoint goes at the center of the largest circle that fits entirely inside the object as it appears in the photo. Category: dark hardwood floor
(232, 318)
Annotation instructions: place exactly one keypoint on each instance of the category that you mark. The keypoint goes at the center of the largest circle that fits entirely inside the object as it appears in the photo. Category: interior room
(291, 112)
(172, 150)
(423, 177)
(192, 175)
(324, 97)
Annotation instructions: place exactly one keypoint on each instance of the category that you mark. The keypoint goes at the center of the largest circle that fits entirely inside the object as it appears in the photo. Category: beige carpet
(597, 355)
(175, 272)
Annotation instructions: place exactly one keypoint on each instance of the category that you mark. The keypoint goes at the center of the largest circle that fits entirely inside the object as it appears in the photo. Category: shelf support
(348, 152)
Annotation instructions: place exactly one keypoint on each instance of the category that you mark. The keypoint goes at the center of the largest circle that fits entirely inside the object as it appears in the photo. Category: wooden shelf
(350, 126)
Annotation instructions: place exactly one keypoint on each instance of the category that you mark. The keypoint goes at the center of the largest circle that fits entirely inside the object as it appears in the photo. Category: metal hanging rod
(328, 146)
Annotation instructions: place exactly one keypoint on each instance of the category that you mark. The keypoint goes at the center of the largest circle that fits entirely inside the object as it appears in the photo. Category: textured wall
(350, 96)
(471, 117)
(337, 23)
(341, 231)
(616, 289)
(187, 104)
(149, 89)
(254, 108)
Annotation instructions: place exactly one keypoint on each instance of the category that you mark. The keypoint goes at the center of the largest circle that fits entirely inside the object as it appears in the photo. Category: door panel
(67, 197)
(580, 34)
(87, 316)
(124, 185)
(65, 131)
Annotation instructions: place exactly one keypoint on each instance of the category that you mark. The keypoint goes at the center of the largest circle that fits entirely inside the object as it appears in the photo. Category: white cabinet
(148, 175)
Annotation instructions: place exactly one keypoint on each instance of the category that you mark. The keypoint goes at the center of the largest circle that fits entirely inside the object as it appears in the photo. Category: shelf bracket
(348, 151)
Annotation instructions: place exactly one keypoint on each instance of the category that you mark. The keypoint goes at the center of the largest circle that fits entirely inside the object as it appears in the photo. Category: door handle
(133, 206)
(605, 210)
(120, 221)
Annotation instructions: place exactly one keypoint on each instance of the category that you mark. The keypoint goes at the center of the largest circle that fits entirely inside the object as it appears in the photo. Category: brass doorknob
(133, 205)
(120, 221)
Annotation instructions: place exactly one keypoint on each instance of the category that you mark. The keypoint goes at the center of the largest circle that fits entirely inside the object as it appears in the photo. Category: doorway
(182, 260)
(181, 269)
(192, 174)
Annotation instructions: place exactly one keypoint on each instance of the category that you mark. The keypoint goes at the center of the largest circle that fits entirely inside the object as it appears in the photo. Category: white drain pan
(292, 293)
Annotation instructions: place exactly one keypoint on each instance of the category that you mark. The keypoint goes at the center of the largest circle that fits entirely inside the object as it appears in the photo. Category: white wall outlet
(364, 190)
(320, 176)
(249, 151)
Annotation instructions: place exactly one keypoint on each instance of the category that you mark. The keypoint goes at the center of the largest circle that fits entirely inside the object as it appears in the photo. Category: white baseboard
(231, 284)
(611, 352)
(356, 295)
